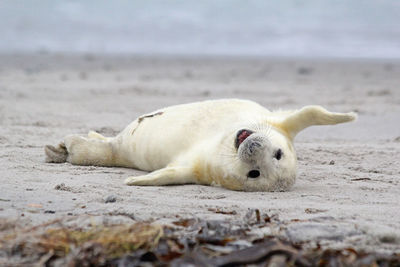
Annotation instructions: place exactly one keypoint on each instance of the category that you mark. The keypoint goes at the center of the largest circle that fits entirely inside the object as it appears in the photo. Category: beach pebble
(110, 199)
(309, 231)
(62, 187)
(304, 70)
(49, 211)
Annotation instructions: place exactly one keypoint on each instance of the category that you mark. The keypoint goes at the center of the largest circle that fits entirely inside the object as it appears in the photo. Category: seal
(233, 143)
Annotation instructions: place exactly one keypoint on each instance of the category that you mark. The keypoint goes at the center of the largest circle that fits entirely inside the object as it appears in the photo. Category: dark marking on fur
(149, 116)
(140, 119)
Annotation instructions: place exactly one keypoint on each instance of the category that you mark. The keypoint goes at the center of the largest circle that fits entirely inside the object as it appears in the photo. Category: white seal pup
(236, 144)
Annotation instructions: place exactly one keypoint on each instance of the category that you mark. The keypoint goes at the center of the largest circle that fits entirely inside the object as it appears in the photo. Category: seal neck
(279, 128)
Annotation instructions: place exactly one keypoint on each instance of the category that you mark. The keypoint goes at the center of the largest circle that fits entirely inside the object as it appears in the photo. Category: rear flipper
(165, 176)
(57, 154)
(94, 135)
(95, 150)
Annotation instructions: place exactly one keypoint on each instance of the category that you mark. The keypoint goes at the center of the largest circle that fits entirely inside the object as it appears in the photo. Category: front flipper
(313, 115)
(165, 176)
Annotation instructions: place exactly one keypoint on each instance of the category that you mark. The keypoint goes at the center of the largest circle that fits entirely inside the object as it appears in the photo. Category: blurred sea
(289, 28)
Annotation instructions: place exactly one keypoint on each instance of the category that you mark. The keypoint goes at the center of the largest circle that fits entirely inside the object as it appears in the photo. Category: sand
(348, 187)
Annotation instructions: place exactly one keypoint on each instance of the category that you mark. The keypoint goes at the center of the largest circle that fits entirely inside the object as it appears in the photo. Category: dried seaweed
(189, 241)
(96, 244)
(115, 240)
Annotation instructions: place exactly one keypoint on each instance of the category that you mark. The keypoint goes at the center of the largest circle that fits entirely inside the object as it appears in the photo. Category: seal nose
(252, 149)
(254, 146)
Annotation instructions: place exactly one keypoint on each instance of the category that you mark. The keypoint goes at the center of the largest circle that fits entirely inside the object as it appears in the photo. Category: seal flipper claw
(57, 154)
(165, 176)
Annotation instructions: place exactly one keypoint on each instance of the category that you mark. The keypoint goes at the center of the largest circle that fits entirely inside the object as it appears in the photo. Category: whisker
(228, 155)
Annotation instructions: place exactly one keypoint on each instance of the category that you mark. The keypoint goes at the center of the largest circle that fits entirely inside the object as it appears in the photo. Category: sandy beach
(347, 191)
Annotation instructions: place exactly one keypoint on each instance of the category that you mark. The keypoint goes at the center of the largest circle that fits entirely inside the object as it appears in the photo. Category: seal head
(265, 160)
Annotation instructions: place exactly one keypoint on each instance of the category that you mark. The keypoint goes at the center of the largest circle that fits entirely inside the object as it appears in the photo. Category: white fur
(194, 143)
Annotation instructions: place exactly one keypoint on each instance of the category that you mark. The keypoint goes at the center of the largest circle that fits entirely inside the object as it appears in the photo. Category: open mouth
(241, 136)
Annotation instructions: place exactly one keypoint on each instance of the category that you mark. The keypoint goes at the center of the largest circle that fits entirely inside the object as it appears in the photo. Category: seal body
(237, 144)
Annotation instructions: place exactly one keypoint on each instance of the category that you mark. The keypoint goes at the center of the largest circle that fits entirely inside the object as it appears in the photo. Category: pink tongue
(243, 136)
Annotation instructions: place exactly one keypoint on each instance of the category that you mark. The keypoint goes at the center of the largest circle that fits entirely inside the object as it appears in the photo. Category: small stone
(332, 162)
(50, 211)
(69, 213)
(83, 75)
(304, 70)
(307, 231)
(63, 77)
(312, 210)
(110, 199)
(205, 93)
(62, 187)
(391, 239)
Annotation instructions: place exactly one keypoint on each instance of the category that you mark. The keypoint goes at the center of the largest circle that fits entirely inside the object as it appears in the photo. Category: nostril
(251, 147)
(254, 146)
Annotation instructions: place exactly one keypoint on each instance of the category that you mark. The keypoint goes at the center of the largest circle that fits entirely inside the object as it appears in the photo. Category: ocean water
(308, 28)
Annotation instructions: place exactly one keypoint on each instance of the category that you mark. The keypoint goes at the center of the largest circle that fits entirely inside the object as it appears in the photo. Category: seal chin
(269, 182)
(241, 136)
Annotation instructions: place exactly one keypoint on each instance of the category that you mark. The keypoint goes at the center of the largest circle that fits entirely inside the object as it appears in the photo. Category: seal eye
(253, 174)
(278, 154)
